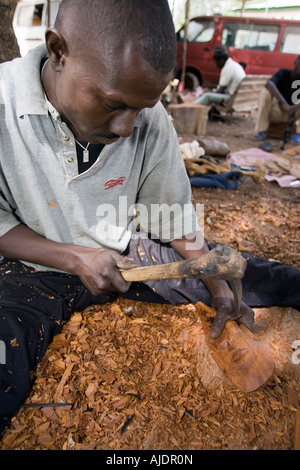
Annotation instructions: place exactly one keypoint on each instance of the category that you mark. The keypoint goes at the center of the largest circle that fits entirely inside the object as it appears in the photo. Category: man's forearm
(222, 296)
(276, 93)
(24, 244)
(98, 268)
(194, 246)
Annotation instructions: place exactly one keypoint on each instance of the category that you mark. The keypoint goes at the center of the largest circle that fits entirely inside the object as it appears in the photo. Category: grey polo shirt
(142, 175)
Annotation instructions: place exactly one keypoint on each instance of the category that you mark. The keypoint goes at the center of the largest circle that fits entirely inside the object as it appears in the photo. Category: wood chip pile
(136, 376)
(255, 227)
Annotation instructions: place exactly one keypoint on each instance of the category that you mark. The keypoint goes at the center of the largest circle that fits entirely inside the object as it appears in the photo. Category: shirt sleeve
(279, 76)
(225, 76)
(8, 219)
(164, 205)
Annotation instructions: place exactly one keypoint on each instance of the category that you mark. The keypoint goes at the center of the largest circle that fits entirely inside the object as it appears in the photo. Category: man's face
(219, 61)
(100, 99)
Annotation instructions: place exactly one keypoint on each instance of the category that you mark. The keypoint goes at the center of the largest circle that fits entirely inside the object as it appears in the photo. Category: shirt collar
(29, 88)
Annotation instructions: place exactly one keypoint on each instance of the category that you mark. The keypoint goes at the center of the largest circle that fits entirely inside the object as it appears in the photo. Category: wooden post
(186, 25)
(297, 431)
(48, 13)
(173, 7)
(243, 7)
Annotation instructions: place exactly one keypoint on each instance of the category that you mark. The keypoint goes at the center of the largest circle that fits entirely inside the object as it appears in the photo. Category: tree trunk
(9, 48)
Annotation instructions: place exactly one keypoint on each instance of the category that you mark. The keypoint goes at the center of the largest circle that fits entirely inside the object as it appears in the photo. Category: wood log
(247, 362)
(277, 129)
(297, 431)
(189, 118)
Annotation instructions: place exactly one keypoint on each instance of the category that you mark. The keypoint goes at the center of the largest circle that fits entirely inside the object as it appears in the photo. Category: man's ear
(57, 48)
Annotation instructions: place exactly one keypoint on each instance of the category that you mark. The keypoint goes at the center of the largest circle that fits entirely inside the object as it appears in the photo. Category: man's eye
(114, 108)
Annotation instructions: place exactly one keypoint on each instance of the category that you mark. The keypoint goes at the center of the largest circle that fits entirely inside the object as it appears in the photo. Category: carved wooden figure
(246, 361)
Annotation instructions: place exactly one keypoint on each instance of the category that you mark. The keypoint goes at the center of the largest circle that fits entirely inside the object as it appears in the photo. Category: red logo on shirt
(112, 183)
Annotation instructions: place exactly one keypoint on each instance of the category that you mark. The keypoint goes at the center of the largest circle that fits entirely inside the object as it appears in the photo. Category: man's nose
(123, 123)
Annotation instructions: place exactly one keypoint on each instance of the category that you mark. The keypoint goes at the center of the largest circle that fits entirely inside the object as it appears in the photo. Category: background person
(275, 104)
(232, 73)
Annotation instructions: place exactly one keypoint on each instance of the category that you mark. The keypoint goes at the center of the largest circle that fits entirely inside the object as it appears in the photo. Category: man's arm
(188, 248)
(271, 86)
(97, 268)
(220, 89)
(222, 297)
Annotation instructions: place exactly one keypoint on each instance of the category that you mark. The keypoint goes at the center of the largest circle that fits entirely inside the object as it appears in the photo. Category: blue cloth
(229, 180)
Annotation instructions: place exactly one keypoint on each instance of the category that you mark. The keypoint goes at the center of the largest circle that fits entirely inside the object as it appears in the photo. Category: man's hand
(222, 296)
(98, 269)
(270, 85)
(224, 307)
(293, 109)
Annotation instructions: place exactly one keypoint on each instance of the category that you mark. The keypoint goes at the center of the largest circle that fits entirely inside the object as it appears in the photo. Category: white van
(31, 21)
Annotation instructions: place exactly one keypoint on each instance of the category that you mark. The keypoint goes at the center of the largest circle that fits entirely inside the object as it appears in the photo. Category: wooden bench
(245, 99)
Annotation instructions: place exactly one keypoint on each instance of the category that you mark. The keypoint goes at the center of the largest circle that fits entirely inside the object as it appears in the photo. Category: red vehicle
(262, 45)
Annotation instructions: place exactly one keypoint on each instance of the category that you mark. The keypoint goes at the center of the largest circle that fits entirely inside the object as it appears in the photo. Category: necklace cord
(84, 148)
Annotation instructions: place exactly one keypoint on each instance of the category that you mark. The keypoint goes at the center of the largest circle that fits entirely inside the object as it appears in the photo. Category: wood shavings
(259, 227)
(124, 384)
(152, 383)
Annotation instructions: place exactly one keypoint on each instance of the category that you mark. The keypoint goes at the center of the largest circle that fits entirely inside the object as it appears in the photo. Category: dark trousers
(34, 305)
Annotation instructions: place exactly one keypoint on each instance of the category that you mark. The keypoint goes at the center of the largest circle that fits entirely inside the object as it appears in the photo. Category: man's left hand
(224, 307)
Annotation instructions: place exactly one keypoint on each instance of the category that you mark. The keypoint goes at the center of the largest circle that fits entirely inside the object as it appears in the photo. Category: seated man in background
(278, 102)
(231, 76)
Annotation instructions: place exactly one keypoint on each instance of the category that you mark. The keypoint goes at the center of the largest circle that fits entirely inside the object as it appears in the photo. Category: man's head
(108, 60)
(220, 56)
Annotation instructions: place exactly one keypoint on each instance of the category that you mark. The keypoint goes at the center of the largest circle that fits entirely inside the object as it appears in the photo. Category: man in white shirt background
(232, 73)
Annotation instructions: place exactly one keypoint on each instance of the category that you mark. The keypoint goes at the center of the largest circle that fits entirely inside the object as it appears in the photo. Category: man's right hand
(98, 269)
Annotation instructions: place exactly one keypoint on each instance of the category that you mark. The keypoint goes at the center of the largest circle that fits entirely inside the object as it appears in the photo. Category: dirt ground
(260, 218)
(136, 376)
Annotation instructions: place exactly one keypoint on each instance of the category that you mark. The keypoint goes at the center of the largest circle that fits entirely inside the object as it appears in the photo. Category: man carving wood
(83, 134)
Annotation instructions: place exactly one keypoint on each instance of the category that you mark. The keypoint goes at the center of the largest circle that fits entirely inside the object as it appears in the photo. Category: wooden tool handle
(221, 262)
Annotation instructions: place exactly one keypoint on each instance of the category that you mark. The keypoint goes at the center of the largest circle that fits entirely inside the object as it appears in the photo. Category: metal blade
(237, 289)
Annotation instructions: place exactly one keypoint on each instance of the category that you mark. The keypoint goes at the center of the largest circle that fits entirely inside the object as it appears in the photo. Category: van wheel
(191, 81)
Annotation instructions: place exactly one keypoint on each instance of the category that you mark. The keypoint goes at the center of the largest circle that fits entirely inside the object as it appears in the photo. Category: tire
(191, 81)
